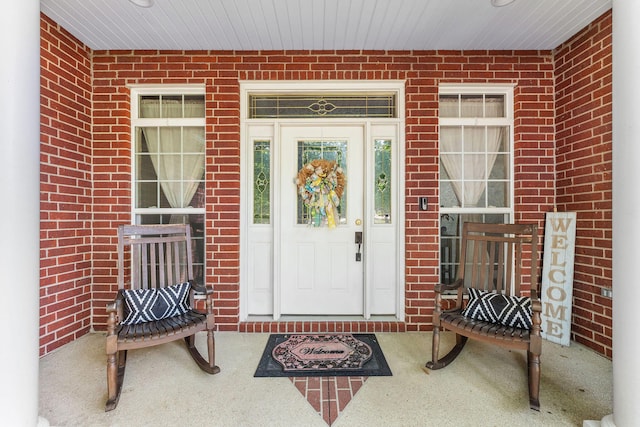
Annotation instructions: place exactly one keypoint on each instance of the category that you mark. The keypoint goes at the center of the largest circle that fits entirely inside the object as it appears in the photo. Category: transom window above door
(296, 106)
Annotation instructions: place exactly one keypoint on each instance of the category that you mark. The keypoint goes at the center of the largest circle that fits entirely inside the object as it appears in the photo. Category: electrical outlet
(606, 292)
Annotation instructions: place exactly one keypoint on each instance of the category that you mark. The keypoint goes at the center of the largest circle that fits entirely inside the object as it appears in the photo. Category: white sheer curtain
(177, 153)
(467, 161)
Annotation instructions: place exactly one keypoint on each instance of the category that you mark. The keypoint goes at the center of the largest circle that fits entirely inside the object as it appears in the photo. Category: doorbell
(423, 203)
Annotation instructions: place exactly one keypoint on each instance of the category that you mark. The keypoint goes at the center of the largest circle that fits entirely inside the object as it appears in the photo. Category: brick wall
(99, 167)
(220, 72)
(583, 156)
(65, 187)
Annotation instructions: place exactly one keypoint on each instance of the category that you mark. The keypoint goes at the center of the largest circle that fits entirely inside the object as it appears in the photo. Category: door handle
(358, 242)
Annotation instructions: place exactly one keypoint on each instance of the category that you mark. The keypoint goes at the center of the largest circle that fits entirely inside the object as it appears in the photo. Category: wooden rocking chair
(155, 299)
(492, 261)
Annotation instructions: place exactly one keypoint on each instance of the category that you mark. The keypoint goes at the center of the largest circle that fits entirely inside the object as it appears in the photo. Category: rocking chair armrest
(200, 288)
(441, 287)
(536, 304)
(111, 307)
(116, 304)
(114, 313)
(114, 317)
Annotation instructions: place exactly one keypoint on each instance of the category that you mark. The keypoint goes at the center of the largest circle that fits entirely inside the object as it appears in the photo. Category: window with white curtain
(476, 162)
(168, 129)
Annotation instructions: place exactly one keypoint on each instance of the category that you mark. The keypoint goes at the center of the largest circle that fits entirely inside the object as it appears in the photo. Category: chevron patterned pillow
(498, 308)
(146, 305)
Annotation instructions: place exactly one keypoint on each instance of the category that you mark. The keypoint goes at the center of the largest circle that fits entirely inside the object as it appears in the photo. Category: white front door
(320, 270)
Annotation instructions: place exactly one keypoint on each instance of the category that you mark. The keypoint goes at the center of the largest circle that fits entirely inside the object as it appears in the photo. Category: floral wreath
(321, 184)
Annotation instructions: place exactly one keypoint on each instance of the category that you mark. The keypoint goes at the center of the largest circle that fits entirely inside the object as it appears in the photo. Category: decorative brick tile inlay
(328, 395)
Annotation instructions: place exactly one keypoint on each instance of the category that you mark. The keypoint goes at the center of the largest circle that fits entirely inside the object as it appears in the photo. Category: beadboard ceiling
(323, 24)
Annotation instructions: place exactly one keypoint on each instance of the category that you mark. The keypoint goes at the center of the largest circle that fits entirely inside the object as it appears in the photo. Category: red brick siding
(583, 170)
(65, 187)
(100, 164)
(220, 72)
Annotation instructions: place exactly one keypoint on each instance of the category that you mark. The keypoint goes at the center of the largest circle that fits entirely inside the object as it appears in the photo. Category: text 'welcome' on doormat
(322, 355)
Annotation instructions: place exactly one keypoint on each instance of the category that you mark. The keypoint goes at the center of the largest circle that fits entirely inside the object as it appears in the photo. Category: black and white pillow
(498, 308)
(146, 305)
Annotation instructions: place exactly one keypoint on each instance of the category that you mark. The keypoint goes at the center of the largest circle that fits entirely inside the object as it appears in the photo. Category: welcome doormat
(322, 355)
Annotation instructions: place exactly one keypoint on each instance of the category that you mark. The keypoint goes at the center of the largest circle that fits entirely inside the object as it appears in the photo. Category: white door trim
(270, 129)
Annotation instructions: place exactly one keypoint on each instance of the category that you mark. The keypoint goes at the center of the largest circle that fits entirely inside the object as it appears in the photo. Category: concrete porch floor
(485, 386)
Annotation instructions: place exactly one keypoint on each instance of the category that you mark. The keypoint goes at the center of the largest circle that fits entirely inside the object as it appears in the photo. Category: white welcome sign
(557, 276)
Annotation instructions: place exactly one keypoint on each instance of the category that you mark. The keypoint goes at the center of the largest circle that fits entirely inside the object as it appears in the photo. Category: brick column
(19, 218)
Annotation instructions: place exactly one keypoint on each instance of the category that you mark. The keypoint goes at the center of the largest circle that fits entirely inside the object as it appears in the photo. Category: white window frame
(450, 243)
(507, 121)
(136, 92)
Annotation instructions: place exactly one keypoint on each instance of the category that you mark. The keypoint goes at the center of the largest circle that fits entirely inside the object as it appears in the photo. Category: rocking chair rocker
(489, 306)
(155, 300)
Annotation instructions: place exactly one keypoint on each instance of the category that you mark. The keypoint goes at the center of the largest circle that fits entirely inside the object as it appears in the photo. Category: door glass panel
(382, 185)
(335, 151)
(261, 182)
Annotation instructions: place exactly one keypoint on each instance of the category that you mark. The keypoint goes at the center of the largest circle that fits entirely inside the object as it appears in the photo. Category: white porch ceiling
(323, 24)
